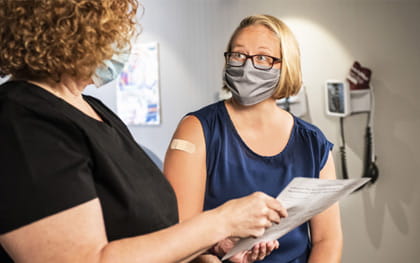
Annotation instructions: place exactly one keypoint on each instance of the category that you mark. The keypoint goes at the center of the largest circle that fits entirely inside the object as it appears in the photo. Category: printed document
(303, 198)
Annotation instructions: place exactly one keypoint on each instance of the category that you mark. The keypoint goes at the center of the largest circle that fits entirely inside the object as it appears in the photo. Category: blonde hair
(43, 39)
(291, 75)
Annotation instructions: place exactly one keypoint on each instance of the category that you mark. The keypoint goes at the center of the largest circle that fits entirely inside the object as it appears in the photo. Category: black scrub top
(54, 157)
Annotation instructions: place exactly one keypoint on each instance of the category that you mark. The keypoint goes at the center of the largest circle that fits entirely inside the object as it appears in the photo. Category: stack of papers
(303, 198)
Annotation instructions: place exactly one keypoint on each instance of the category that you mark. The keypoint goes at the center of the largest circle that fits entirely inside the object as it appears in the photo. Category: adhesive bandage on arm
(182, 145)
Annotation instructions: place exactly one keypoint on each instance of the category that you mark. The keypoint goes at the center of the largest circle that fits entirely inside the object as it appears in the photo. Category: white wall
(184, 32)
(380, 223)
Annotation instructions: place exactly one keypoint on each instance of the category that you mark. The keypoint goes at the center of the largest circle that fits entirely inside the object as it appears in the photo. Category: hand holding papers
(303, 198)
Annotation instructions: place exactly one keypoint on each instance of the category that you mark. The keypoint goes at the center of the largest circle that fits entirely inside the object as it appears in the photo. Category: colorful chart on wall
(138, 98)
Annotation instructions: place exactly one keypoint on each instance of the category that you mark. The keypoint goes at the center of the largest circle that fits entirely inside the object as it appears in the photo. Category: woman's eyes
(261, 58)
(238, 55)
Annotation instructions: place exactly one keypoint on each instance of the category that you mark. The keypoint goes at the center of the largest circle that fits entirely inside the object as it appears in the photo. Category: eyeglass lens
(237, 59)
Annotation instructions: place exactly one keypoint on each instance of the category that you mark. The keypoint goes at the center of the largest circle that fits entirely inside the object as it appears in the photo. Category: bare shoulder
(188, 122)
(189, 128)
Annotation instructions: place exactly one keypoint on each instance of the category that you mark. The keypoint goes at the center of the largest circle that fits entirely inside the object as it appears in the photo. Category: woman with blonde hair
(74, 184)
(247, 143)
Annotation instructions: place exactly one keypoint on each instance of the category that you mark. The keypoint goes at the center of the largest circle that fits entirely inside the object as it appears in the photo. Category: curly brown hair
(43, 39)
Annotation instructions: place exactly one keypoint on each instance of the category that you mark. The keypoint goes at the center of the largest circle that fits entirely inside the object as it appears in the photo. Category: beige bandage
(182, 145)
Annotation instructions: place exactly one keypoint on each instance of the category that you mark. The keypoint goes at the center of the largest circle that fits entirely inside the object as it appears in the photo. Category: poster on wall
(138, 98)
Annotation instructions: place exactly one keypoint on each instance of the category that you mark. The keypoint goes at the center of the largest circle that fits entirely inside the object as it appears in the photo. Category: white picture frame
(138, 95)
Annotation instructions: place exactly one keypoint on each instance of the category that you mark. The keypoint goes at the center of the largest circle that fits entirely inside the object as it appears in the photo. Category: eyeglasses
(262, 62)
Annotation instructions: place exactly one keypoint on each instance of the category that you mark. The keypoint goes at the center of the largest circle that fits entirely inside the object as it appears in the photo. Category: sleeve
(45, 166)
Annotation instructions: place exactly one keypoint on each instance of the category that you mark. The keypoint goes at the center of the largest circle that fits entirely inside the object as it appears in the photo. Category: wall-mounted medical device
(354, 96)
(342, 101)
(337, 96)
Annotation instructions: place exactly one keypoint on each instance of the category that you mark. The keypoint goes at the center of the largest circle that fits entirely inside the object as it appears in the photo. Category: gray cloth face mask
(249, 85)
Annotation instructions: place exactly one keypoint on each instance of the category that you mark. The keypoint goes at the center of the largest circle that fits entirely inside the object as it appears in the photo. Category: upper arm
(327, 225)
(73, 235)
(186, 171)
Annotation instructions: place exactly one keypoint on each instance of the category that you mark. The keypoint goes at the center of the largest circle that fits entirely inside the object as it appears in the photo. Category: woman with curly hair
(74, 185)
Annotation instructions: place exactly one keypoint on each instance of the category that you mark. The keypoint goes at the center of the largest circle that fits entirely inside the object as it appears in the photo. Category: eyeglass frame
(275, 60)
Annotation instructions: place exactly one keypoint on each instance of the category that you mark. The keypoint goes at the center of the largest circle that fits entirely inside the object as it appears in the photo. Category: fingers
(272, 245)
(255, 252)
(260, 230)
(273, 216)
(274, 210)
(272, 203)
(252, 215)
(242, 257)
(271, 211)
(262, 250)
(275, 205)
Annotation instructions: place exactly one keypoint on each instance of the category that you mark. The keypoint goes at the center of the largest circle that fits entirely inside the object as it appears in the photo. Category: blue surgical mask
(249, 85)
(111, 69)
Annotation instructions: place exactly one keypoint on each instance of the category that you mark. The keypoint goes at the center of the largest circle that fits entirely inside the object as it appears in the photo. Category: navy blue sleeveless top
(234, 170)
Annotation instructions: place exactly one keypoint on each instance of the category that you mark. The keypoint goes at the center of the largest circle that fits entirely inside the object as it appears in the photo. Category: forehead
(256, 36)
